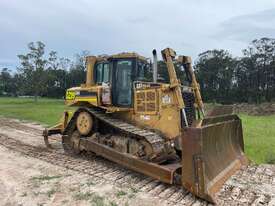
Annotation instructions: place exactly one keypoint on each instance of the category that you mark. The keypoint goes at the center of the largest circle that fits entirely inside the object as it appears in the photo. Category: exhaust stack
(155, 66)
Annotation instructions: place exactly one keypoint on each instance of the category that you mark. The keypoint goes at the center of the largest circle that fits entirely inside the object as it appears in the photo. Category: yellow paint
(84, 99)
(90, 100)
(165, 117)
(154, 106)
(70, 95)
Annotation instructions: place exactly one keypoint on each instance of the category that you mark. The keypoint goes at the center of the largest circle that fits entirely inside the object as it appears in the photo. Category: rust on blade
(212, 152)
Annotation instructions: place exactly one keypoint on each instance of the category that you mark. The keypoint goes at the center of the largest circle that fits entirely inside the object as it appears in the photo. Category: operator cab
(119, 72)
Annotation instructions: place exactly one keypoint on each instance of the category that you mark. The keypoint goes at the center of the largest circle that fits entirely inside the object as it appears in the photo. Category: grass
(83, 196)
(121, 193)
(98, 201)
(94, 199)
(259, 138)
(259, 131)
(45, 178)
(51, 192)
(46, 111)
(90, 183)
(113, 204)
(270, 158)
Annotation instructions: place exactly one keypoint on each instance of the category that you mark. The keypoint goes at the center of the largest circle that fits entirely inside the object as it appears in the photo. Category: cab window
(105, 75)
(143, 72)
(102, 73)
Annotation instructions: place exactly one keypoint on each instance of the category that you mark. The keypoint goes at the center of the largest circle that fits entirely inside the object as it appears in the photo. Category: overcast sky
(101, 26)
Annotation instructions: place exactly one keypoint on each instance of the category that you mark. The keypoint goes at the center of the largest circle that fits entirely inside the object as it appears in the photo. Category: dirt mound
(253, 109)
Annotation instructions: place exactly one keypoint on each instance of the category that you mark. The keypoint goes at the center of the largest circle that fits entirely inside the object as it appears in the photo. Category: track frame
(165, 173)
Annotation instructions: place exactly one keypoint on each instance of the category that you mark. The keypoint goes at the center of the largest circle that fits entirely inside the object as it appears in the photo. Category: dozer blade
(213, 150)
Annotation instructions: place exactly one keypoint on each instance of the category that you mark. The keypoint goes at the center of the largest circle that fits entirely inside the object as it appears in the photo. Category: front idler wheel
(84, 123)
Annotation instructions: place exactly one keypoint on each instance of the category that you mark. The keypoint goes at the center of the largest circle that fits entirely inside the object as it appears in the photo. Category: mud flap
(212, 151)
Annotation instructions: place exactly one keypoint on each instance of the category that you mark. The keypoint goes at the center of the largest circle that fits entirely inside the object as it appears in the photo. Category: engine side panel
(156, 108)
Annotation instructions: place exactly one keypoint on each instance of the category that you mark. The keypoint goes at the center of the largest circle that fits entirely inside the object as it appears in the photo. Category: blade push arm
(168, 55)
(186, 62)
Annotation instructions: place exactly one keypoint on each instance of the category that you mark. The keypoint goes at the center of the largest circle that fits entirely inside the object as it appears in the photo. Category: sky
(107, 27)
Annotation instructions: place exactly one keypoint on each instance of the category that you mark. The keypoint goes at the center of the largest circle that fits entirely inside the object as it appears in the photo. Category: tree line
(250, 78)
(43, 75)
(227, 79)
(222, 77)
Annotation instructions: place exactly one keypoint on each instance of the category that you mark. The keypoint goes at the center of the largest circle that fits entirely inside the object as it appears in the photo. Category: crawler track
(254, 185)
(155, 140)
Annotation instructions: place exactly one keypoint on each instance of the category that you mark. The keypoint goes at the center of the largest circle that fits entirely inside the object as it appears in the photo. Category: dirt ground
(28, 181)
(257, 110)
(32, 175)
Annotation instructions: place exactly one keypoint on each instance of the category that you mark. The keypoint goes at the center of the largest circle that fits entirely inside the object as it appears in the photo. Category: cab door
(122, 83)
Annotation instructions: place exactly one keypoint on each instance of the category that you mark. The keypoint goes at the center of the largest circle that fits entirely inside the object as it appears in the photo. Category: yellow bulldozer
(155, 128)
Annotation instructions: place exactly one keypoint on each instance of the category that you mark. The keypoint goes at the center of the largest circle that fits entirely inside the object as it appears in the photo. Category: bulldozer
(156, 128)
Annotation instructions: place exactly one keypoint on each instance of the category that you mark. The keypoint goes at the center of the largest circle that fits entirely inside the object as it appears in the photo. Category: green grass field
(46, 111)
(259, 137)
(259, 131)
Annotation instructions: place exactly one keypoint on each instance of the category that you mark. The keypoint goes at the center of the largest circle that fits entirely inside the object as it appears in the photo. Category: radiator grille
(141, 107)
(151, 96)
(151, 107)
(141, 96)
(146, 101)
(189, 99)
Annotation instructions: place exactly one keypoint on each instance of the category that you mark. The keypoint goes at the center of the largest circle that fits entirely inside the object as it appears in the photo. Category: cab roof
(128, 55)
(124, 55)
